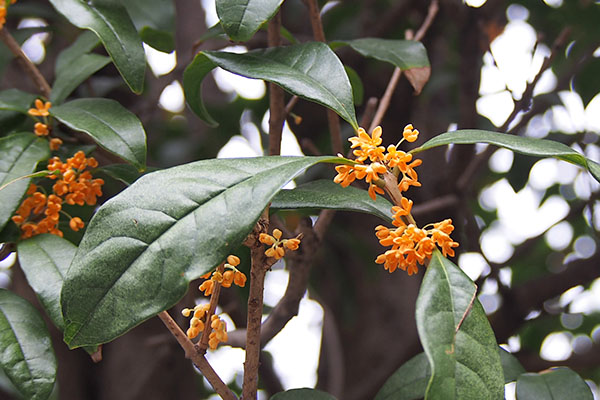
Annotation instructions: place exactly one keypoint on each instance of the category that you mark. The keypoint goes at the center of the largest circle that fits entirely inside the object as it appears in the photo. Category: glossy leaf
(109, 20)
(110, 124)
(156, 28)
(121, 172)
(409, 382)
(408, 55)
(456, 336)
(85, 42)
(144, 246)
(519, 144)
(19, 156)
(511, 366)
(242, 18)
(16, 100)
(26, 354)
(327, 194)
(551, 384)
(73, 75)
(45, 260)
(310, 70)
(302, 394)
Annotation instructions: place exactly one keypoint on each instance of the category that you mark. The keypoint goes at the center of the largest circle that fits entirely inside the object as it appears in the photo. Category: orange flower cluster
(230, 276)
(410, 245)
(278, 246)
(40, 213)
(42, 129)
(368, 148)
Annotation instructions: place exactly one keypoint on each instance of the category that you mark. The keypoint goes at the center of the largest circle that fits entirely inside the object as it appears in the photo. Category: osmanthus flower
(278, 245)
(410, 245)
(230, 275)
(40, 213)
(41, 108)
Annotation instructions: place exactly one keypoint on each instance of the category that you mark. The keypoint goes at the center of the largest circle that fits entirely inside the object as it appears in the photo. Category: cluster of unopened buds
(225, 276)
(278, 245)
(42, 127)
(410, 245)
(3, 6)
(40, 213)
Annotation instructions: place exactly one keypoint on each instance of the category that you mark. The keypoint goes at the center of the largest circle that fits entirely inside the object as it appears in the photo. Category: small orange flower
(41, 108)
(41, 129)
(278, 245)
(346, 175)
(76, 224)
(369, 145)
(55, 144)
(410, 134)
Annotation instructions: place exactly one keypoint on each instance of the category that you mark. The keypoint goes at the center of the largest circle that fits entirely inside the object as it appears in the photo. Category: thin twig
(202, 345)
(197, 358)
(332, 118)
(29, 67)
(276, 96)
(525, 103)
(389, 90)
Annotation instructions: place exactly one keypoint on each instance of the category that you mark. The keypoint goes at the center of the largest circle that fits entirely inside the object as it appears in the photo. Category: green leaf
(121, 172)
(408, 55)
(242, 18)
(155, 20)
(358, 90)
(511, 366)
(144, 246)
(409, 382)
(302, 394)
(310, 70)
(462, 351)
(109, 20)
(551, 384)
(45, 260)
(73, 75)
(85, 42)
(327, 194)
(16, 100)
(519, 144)
(26, 354)
(110, 124)
(19, 156)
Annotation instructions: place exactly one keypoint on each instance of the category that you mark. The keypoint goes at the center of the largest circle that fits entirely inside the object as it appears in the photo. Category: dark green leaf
(408, 55)
(26, 354)
(109, 20)
(310, 70)
(409, 382)
(144, 246)
(327, 194)
(358, 90)
(16, 100)
(519, 144)
(110, 124)
(155, 20)
(511, 366)
(553, 384)
(462, 351)
(302, 394)
(125, 173)
(85, 42)
(45, 260)
(242, 18)
(19, 156)
(73, 75)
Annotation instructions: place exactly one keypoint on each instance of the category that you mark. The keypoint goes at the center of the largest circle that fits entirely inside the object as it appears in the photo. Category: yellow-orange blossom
(410, 245)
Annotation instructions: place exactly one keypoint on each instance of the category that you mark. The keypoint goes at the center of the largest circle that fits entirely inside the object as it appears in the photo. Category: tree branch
(29, 67)
(197, 358)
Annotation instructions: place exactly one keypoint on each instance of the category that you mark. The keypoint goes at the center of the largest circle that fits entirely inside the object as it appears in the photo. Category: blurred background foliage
(527, 228)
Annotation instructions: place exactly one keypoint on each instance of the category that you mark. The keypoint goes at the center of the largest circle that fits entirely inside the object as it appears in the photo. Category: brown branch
(389, 90)
(202, 345)
(332, 119)
(276, 96)
(197, 358)
(29, 67)
(260, 266)
(522, 105)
